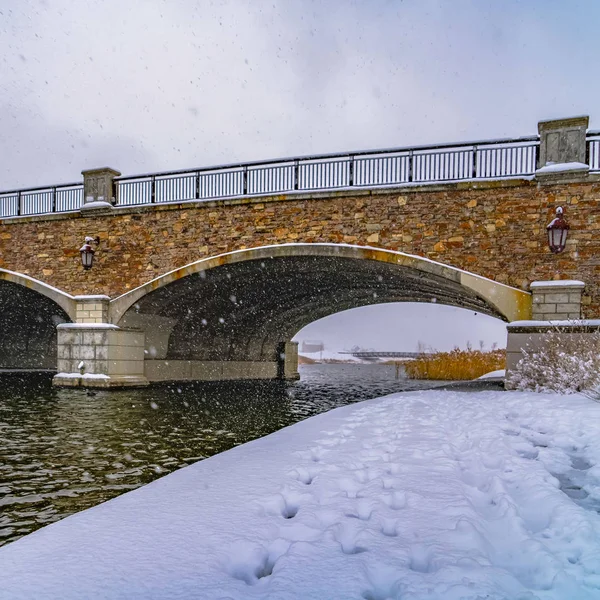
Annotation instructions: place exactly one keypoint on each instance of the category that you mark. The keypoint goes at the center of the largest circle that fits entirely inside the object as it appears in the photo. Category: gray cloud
(155, 85)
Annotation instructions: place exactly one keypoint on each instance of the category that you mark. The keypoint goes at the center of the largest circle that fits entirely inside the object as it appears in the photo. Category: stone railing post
(562, 141)
(99, 188)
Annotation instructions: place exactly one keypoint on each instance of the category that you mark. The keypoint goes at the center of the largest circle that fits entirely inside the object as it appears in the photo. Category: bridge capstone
(563, 141)
(99, 188)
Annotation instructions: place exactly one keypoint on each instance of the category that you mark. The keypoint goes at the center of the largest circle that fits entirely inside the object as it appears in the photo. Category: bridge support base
(557, 306)
(102, 355)
(284, 368)
(99, 355)
(208, 370)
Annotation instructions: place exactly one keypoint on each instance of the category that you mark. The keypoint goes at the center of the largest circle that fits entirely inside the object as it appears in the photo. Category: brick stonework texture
(494, 229)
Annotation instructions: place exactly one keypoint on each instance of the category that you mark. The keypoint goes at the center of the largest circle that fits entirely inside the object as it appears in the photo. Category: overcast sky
(152, 85)
(401, 327)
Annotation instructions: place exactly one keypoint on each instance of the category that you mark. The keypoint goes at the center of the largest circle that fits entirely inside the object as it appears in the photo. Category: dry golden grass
(455, 365)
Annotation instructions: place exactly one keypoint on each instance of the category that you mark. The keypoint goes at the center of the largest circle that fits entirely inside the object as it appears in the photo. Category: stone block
(556, 298)
(64, 351)
(100, 366)
(101, 351)
(66, 336)
(567, 307)
(94, 337)
(544, 309)
(516, 341)
(125, 367)
(82, 352)
(167, 370)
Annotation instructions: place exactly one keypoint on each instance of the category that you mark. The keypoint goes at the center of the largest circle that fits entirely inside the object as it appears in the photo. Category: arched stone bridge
(216, 289)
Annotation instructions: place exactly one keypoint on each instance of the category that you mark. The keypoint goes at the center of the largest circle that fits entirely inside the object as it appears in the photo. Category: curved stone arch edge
(67, 302)
(514, 304)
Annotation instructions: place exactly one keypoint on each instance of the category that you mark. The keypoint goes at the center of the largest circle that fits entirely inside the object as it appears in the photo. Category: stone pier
(557, 306)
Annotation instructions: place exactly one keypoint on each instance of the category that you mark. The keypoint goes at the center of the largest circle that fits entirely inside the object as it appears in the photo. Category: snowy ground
(421, 495)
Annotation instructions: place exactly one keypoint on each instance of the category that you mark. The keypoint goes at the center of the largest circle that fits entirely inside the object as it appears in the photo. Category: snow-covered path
(418, 496)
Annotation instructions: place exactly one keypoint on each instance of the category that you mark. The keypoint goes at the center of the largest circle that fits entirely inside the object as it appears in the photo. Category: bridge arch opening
(244, 306)
(29, 313)
(393, 331)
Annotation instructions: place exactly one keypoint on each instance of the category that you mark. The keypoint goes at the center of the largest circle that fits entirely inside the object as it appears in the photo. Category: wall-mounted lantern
(87, 252)
(557, 232)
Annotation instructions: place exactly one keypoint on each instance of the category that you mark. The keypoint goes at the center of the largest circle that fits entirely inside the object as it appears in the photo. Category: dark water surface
(62, 451)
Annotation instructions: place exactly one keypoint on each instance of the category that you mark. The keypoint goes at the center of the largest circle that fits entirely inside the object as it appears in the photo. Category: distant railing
(372, 354)
(424, 164)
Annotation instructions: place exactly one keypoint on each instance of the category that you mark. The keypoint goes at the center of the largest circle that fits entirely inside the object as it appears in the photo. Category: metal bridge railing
(447, 162)
(593, 150)
(35, 201)
(491, 159)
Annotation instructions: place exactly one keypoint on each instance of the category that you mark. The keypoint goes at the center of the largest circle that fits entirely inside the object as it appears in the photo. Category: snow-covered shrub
(562, 362)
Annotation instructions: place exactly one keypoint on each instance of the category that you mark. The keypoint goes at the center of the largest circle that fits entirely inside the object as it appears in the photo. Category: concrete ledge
(196, 370)
(562, 326)
(552, 285)
(529, 335)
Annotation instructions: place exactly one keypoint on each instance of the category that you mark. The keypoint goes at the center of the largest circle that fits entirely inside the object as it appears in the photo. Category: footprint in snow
(580, 464)
(364, 510)
(396, 500)
(393, 469)
(250, 563)
(315, 454)
(348, 536)
(389, 527)
(387, 483)
(528, 454)
(421, 559)
(349, 487)
(285, 504)
(304, 475)
(385, 583)
(364, 475)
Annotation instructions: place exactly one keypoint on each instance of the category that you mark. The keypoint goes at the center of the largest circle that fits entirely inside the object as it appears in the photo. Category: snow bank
(499, 374)
(419, 496)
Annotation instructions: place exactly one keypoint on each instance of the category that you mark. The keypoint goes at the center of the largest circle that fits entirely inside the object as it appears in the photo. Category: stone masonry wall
(495, 229)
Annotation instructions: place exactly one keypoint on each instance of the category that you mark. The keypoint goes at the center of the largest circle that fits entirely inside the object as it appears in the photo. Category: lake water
(64, 450)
